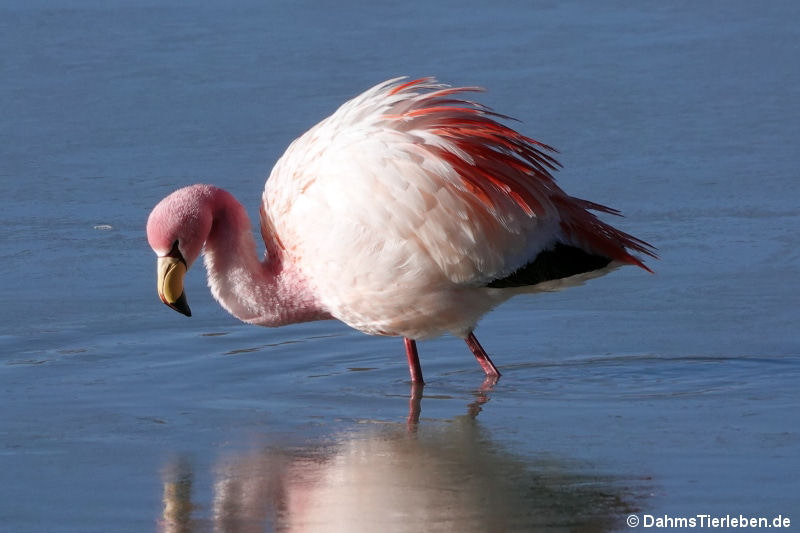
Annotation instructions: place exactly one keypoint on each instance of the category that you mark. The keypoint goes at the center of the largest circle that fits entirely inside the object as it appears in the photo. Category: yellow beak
(170, 283)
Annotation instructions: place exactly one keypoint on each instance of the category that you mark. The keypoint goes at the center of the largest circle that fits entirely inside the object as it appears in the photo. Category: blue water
(668, 394)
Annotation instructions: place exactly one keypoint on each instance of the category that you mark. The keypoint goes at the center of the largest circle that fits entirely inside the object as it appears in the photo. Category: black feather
(560, 261)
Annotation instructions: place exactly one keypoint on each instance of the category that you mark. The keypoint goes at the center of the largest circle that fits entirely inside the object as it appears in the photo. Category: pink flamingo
(411, 211)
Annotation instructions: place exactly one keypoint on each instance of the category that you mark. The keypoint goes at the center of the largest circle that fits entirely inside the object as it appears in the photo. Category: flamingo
(412, 211)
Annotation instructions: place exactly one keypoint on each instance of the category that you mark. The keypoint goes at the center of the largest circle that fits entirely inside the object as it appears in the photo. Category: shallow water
(668, 394)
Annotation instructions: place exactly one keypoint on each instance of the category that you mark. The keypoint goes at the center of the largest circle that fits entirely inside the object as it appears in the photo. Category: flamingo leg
(414, 367)
(482, 356)
(414, 406)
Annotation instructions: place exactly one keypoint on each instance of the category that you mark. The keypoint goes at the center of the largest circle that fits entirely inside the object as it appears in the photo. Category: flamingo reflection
(420, 476)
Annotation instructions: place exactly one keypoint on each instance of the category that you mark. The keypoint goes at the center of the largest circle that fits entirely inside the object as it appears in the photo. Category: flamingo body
(410, 212)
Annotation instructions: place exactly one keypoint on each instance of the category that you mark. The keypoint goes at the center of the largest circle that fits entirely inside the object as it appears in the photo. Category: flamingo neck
(271, 292)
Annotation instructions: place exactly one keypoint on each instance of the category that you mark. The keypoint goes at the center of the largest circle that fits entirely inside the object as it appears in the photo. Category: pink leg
(414, 367)
(482, 357)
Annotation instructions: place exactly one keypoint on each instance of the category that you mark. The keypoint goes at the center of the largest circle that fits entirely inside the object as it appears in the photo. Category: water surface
(673, 393)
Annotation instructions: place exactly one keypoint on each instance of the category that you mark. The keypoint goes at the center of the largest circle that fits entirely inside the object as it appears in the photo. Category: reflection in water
(432, 476)
(178, 479)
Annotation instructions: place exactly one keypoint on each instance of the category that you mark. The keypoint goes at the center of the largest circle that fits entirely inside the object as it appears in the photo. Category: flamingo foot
(483, 358)
(414, 367)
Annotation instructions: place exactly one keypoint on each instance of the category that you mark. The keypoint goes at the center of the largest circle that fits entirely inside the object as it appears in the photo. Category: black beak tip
(181, 305)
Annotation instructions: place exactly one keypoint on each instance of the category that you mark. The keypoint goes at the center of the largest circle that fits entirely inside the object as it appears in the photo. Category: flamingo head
(177, 230)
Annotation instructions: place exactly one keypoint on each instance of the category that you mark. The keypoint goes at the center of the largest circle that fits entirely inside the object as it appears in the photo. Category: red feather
(505, 161)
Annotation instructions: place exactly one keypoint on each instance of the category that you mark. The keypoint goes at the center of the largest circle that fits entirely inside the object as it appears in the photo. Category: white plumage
(386, 230)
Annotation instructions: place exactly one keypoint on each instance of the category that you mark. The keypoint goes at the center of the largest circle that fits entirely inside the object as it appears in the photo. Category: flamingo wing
(410, 189)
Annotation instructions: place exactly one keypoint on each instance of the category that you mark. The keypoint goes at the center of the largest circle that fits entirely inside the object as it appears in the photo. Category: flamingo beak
(170, 283)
